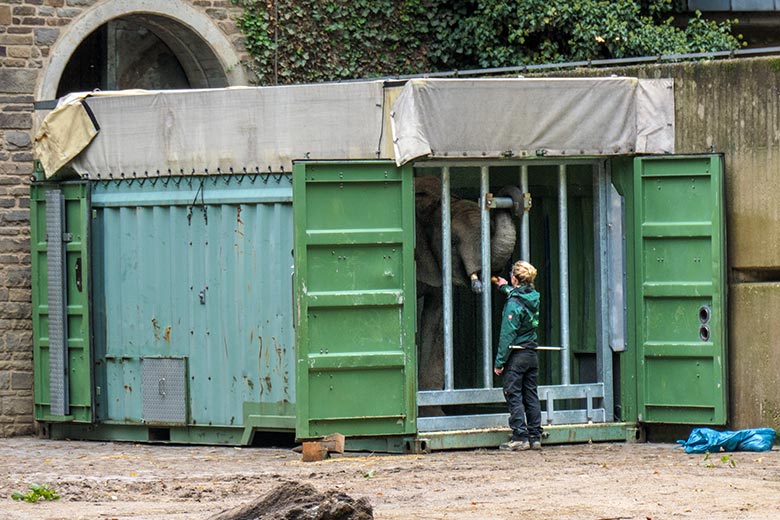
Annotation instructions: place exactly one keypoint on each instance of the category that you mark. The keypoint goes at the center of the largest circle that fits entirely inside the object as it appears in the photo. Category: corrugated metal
(201, 269)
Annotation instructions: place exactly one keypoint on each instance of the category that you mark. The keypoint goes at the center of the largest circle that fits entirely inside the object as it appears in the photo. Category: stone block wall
(28, 30)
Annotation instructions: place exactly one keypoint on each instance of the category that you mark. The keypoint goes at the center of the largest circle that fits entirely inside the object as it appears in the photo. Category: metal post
(525, 239)
(487, 329)
(446, 275)
(601, 184)
(563, 254)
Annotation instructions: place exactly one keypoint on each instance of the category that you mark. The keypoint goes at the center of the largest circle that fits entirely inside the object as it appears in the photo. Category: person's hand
(501, 281)
(498, 371)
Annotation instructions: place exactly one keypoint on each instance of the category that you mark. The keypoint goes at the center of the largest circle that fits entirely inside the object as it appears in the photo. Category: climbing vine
(294, 41)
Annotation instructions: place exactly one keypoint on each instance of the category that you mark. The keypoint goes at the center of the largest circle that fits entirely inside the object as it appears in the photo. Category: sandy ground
(101, 480)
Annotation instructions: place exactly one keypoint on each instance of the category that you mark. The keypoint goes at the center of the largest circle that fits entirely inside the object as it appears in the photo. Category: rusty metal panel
(197, 268)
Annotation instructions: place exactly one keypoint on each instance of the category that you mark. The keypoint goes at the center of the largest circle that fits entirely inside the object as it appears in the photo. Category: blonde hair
(524, 272)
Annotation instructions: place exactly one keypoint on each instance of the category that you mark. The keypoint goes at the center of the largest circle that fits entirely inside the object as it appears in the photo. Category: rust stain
(239, 222)
(268, 383)
(278, 353)
(156, 328)
(167, 335)
(250, 383)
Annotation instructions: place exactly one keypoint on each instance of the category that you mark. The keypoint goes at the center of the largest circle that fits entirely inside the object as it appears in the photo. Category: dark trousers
(520, 380)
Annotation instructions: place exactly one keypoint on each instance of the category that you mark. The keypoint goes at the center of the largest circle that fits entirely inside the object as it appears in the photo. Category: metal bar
(476, 422)
(594, 63)
(494, 162)
(56, 263)
(616, 247)
(487, 323)
(563, 253)
(550, 412)
(500, 203)
(525, 239)
(601, 185)
(446, 276)
(496, 395)
(589, 405)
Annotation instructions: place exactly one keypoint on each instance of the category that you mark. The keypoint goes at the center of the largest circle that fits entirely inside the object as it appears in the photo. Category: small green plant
(36, 493)
(725, 459)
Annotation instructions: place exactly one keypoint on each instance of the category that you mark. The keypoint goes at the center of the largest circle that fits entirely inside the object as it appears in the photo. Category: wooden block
(334, 443)
(314, 451)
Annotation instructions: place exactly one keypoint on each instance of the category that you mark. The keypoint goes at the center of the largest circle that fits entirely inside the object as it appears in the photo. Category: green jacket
(519, 320)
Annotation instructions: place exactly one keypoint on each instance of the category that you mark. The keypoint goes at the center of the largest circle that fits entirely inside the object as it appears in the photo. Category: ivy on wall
(297, 41)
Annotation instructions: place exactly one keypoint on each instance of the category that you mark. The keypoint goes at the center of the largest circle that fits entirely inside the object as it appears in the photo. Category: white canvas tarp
(240, 128)
(519, 117)
(265, 129)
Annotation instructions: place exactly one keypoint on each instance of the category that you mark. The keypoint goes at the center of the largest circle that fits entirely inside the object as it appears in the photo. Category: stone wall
(28, 30)
(733, 107)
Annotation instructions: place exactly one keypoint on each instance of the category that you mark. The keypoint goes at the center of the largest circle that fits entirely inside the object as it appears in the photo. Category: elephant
(465, 230)
(466, 263)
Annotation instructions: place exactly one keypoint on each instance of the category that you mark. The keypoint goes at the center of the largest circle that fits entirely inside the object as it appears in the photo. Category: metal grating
(58, 323)
(164, 390)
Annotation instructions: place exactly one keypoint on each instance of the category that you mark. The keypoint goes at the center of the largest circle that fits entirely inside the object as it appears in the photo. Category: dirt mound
(294, 501)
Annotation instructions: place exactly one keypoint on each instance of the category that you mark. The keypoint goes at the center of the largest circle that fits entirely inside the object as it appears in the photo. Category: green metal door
(680, 290)
(354, 283)
(62, 356)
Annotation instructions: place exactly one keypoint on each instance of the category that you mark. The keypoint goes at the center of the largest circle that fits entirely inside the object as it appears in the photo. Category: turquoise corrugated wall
(201, 269)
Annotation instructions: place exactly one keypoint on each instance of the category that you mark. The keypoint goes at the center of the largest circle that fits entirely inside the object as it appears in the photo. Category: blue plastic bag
(707, 440)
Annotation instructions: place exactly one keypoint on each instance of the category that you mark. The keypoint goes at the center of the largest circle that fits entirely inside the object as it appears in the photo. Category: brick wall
(28, 29)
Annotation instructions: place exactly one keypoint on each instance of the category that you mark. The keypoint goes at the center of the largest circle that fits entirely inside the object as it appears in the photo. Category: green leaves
(294, 41)
(724, 459)
(36, 493)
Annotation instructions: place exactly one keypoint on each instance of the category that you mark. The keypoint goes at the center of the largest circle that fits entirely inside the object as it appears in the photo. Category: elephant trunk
(505, 228)
(502, 243)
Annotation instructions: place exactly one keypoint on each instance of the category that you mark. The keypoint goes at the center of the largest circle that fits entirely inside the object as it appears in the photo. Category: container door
(62, 356)
(681, 290)
(354, 283)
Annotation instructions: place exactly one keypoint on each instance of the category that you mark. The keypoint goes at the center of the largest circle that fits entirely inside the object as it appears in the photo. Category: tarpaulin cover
(63, 134)
(707, 440)
(151, 133)
(254, 128)
(520, 117)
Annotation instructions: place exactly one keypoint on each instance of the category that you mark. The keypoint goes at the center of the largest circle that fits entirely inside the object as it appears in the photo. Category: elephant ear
(517, 199)
(427, 191)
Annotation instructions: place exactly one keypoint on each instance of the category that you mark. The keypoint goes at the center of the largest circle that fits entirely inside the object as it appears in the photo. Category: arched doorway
(169, 44)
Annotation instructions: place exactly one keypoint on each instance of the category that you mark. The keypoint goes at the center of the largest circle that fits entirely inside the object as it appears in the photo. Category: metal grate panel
(58, 323)
(164, 390)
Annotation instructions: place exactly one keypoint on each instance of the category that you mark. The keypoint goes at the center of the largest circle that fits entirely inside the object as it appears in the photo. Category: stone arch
(206, 54)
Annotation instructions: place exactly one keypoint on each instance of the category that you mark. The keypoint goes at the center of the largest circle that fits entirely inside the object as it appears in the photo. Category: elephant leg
(431, 349)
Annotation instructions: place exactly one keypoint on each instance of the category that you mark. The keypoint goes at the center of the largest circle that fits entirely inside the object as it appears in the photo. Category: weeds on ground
(36, 493)
(725, 459)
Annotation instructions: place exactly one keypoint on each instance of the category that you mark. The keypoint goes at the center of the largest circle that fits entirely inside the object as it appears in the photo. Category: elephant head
(465, 228)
